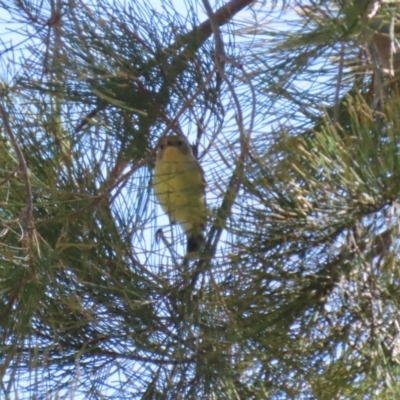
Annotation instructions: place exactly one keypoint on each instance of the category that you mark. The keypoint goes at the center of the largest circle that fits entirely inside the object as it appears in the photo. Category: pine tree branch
(29, 231)
(196, 38)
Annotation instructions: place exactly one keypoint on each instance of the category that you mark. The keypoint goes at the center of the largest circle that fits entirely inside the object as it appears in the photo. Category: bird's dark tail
(194, 242)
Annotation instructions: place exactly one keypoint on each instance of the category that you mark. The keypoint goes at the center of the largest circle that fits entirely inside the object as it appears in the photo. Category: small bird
(179, 186)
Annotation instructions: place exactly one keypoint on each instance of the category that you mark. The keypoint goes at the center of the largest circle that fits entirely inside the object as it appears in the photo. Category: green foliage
(295, 294)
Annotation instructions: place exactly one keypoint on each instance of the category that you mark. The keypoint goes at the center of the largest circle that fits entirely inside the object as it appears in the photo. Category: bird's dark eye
(180, 143)
(161, 146)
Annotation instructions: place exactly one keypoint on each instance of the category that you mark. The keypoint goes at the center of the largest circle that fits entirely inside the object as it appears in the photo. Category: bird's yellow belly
(178, 186)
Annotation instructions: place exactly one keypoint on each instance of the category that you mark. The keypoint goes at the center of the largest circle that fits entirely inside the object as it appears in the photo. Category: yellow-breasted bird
(179, 186)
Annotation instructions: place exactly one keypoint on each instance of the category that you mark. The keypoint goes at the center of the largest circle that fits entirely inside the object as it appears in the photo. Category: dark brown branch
(201, 33)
